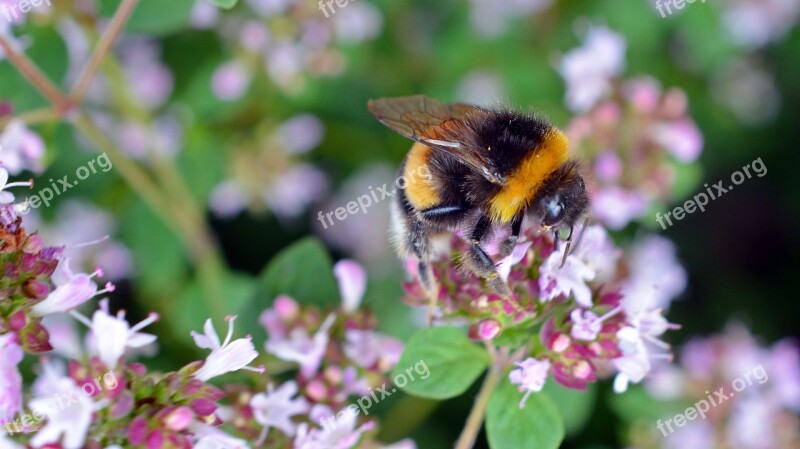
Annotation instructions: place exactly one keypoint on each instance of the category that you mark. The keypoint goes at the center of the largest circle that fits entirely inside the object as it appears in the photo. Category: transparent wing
(444, 127)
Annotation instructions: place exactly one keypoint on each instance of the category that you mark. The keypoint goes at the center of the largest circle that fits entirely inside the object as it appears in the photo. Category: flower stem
(476, 416)
(35, 76)
(187, 222)
(105, 45)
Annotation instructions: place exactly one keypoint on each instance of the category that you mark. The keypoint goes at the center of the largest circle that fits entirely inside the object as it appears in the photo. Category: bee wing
(444, 127)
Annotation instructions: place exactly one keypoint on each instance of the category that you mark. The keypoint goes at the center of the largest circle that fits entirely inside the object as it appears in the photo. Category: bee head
(562, 199)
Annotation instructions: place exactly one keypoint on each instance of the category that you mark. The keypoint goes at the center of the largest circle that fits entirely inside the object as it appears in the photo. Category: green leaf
(509, 427)
(225, 3)
(575, 407)
(159, 257)
(303, 271)
(157, 17)
(453, 361)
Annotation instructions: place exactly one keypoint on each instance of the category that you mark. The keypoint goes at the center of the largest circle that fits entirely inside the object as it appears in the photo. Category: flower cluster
(88, 393)
(290, 41)
(599, 314)
(268, 173)
(338, 355)
(631, 132)
(761, 384)
(27, 290)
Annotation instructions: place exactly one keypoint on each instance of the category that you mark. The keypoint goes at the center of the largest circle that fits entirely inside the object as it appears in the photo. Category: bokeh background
(255, 119)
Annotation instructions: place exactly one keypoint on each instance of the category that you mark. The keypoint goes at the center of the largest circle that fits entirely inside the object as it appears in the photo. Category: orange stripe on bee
(523, 183)
(420, 191)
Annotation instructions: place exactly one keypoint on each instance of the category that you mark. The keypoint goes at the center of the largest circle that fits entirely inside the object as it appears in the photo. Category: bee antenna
(583, 229)
(569, 246)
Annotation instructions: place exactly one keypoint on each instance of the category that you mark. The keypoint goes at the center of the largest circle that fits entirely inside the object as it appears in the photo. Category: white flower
(634, 363)
(67, 408)
(227, 357)
(593, 259)
(7, 443)
(8, 197)
(516, 256)
(301, 348)
(339, 433)
(77, 289)
(530, 375)
(656, 277)
(209, 437)
(111, 336)
(275, 408)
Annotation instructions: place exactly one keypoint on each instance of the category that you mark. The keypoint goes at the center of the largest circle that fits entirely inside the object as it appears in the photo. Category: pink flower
(10, 380)
(487, 329)
(178, 419)
(227, 357)
(228, 199)
(299, 347)
(300, 133)
(616, 207)
(530, 375)
(608, 166)
(151, 81)
(369, 349)
(78, 289)
(571, 279)
(588, 70)
(275, 408)
(352, 283)
(681, 138)
(295, 189)
(585, 325)
(21, 148)
(516, 256)
(230, 81)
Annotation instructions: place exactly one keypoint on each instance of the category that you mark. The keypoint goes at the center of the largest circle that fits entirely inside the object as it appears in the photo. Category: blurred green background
(740, 254)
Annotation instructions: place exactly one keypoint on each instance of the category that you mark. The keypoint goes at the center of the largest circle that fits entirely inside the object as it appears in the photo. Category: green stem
(105, 45)
(35, 76)
(187, 222)
(476, 416)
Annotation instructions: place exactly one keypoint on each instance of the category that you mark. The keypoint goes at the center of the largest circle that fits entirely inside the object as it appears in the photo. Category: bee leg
(507, 245)
(419, 241)
(477, 261)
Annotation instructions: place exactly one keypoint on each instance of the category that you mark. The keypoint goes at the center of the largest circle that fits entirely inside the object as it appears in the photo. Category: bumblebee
(490, 168)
